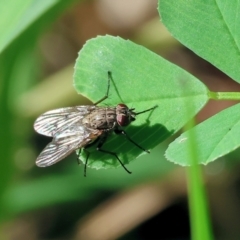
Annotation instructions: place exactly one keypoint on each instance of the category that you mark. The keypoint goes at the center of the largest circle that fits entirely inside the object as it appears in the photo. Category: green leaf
(215, 137)
(209, 28)
(140, 79)
(16, 16)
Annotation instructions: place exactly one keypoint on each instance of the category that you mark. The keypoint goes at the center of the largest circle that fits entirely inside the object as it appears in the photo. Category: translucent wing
(64, 143)
(50, 122)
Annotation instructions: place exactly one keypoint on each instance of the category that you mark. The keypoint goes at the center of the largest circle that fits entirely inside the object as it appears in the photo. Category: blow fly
(73, 128)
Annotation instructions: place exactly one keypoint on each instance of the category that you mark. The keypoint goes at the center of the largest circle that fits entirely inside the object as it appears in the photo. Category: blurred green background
(39, 44)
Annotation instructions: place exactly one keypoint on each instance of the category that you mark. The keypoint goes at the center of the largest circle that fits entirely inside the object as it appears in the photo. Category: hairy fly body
(73, 128)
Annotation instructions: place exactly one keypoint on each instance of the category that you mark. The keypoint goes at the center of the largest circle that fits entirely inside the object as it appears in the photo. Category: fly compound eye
(123, 120)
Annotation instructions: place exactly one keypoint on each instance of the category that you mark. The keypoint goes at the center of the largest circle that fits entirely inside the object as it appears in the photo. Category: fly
(73, 128)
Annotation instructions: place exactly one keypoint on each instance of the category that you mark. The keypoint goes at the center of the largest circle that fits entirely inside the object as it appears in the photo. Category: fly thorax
(101, 118)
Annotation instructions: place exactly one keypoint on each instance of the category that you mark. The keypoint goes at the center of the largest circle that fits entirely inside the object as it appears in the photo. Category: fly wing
(64, 143)
(52, 121)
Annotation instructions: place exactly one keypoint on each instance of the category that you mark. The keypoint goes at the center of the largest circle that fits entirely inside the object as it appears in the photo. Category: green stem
(198, 205)
(224, 95)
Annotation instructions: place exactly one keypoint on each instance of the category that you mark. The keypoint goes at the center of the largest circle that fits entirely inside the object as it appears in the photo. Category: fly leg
(108, 86)
(88, 154)
(99, 148)
(78, 156)
(85, 165)
(122, 132)
(79, 162)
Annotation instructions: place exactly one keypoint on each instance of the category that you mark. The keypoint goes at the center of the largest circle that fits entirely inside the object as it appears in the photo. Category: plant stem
(198, 207)
(224, 95)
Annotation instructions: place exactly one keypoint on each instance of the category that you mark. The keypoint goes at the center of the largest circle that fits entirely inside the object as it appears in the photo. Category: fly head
(124, 115)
